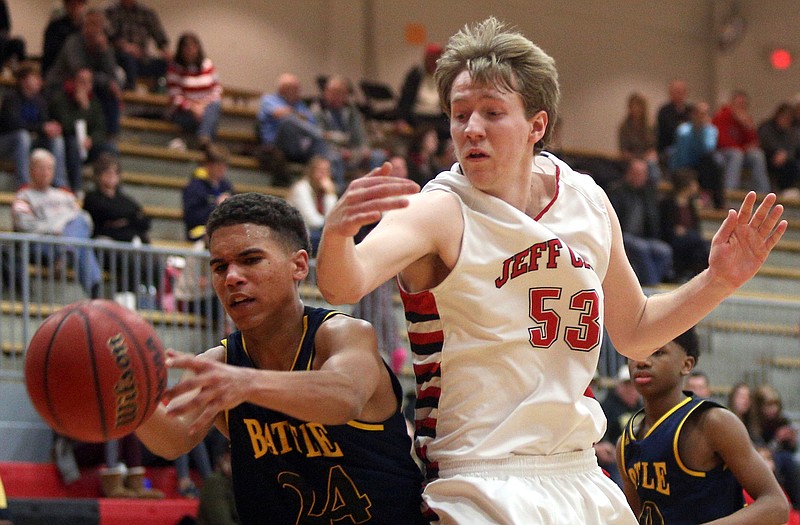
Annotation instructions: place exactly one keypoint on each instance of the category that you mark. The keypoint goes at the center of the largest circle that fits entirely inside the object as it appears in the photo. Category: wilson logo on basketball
(125, 388)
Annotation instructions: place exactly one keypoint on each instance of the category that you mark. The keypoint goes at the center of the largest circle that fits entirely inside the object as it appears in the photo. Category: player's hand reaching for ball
(208, 388)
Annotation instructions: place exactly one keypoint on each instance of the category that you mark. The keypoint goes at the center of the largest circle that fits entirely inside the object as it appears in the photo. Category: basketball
(95, 370)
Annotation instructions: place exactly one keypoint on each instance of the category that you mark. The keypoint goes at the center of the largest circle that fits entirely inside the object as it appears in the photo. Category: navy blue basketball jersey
(670, 492)
(289, 471)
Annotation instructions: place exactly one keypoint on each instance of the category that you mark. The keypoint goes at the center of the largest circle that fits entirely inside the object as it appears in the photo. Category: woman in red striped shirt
(194, 89)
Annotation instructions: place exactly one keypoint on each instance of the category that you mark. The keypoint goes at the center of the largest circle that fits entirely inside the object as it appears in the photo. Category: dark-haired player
(685, 459)
(311, 410)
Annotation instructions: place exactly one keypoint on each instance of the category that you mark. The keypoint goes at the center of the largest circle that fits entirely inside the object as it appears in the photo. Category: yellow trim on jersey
(299, 346)
(665, 416)
(687, 470)
(365, 426)
(224, 344)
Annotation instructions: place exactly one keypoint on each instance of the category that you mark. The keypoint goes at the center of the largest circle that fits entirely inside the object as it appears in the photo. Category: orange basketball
(95, 370)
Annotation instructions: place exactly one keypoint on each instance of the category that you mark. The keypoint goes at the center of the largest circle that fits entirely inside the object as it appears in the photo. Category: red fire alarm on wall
(780, 59)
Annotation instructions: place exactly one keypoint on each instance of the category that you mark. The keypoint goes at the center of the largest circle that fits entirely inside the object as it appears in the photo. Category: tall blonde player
(510, 265)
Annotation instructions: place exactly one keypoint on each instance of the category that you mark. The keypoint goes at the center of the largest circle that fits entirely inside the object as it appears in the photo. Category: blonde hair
(496, 55)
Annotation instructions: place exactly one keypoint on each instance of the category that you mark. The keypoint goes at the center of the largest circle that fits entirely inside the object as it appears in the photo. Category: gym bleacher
(761, 320)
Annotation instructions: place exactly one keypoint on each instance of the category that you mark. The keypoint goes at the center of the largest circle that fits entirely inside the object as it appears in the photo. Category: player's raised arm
(638, 324)
(346, 272)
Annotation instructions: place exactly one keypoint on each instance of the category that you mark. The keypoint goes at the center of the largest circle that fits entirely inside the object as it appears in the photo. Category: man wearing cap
(619, 405)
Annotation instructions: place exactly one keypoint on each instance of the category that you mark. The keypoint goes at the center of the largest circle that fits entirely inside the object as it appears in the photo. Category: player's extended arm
(169, 436)
(729, 439)
(346, 272)
(639, 324)
(342, 386)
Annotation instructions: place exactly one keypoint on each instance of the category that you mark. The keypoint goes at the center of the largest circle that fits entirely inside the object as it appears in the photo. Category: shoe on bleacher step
(177, 144)
(112, 481)
(136, 482)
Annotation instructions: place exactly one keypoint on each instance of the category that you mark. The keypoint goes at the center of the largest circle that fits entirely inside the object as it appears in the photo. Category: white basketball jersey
(505, 347)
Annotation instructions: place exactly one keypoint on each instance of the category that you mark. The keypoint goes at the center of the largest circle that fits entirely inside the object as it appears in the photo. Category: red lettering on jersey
(577, 260)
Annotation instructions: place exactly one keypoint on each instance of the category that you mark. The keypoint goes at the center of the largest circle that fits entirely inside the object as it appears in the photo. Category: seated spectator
(671, 115)
(770, 426)
(208, 187)
(421, 158)
(84, 126)
(12, 49)
(194, 90)
(119, 217)
(89, 49)
(25, 124)
(680, 226)
(43, 209)
(621, 403)
(635, 199)
(343, 128)
(217, 505)
(314, 195)
(289, 131)
(738, 147)
(59, 29)
(697, 383)
(740, 401)
(637, 139)
(419, 103)
(202, 461)
(132, 27)
(780, 141)
(694, 148)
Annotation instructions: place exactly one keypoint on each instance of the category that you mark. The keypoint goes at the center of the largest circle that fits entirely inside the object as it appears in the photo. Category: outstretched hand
(745, 239)
(366, 199)
(207, 390)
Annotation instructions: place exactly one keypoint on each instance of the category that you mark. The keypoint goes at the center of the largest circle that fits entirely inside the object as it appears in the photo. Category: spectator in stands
(670, 116)
(635, 199)
(217, 505)
(421, 158)
(83, 124)
(90, 49)
(195, 94)
(202, 461)
(694, 148)
(119, 217)
(419, 103)
(343, 128)
(637, 138)
(619, 405)
(771, 427)
(738, 147)
(780, 140)
(12, 49)
(289, 131)
(132, 27)
(25, 124)
(5, 515)
(59, 29)
(697, 383)
(116, 215)
(43, 209)
(740, 401)
(208, 187)
(680, 226)
(314, 194)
